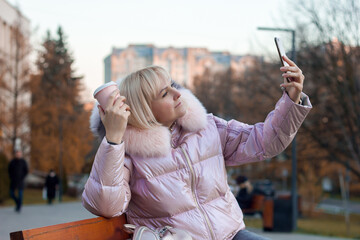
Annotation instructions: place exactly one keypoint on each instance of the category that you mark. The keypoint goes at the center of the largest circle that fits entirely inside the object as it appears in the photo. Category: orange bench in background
(257, 205)
(89, 229)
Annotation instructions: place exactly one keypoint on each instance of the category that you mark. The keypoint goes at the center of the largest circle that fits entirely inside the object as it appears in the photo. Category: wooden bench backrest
(89, 229)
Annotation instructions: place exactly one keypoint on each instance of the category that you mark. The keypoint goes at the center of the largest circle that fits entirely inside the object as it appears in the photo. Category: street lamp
(293, 145)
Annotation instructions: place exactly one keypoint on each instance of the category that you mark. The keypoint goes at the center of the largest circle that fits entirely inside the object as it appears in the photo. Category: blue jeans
(246, 235)
(18, 199)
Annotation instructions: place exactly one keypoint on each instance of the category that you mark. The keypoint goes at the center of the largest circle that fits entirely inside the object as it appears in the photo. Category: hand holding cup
(114, 113)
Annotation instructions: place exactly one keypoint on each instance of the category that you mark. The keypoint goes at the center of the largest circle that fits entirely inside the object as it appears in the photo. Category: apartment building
(10, 69)
(183, 64)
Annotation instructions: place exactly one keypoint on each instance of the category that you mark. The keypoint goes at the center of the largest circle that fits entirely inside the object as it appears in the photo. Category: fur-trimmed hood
(155, 142)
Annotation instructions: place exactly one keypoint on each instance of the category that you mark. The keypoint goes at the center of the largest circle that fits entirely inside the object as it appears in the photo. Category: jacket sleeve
(243, 143)
(107, 192)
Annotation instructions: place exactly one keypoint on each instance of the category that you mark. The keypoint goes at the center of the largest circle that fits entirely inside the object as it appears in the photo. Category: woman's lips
(178, 104)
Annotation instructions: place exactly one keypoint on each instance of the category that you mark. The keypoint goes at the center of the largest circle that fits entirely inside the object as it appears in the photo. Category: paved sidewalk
(292, 236)
(34, 216)
(337, 206)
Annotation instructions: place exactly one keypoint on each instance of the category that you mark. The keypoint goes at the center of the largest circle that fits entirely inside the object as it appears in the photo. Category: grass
(352, 198)
(330, 225)
(34, 196)
(322, 224)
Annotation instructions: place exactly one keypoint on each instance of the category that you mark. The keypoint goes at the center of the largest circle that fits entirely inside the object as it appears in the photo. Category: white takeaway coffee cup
(103, 92)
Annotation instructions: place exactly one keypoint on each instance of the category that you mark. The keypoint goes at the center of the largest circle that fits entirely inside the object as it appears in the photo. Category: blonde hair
(140, 88)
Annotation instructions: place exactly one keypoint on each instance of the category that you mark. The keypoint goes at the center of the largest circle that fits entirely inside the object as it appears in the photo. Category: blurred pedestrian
(18, 170)
(245, 194)
(51, 184)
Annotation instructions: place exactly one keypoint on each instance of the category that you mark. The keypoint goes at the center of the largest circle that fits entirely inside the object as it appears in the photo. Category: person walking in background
(245, 194)
(18, 170)
(51, 184)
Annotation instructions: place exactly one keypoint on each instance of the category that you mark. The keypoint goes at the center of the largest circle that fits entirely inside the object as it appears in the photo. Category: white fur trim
(96, 126)
(150, 142)
(195, 117)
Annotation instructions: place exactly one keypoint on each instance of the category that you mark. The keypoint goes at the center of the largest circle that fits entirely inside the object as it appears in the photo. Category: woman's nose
(176, 94)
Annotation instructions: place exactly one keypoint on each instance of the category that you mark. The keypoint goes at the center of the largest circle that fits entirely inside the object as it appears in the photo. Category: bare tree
(330, 55)
(247, 96)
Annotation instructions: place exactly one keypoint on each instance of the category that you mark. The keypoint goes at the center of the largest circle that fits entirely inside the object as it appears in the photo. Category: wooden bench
(89, 229)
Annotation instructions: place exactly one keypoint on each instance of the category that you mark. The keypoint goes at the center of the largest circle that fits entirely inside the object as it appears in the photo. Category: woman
(163, 162)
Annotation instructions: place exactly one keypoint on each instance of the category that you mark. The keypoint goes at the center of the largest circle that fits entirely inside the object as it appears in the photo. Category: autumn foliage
(59, 124)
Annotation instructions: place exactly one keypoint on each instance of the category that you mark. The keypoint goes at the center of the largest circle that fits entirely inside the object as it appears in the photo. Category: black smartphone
(282, 53)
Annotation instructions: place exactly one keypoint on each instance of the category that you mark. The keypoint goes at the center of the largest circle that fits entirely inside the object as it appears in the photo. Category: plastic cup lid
(104, 86)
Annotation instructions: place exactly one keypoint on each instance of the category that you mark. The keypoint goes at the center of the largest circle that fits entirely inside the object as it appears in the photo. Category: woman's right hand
(115, 117)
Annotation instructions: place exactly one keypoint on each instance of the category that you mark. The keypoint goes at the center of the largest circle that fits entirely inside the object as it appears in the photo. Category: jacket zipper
(193, 193)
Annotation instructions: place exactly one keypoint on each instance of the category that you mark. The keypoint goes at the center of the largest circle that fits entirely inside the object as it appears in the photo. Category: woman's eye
(171, 85)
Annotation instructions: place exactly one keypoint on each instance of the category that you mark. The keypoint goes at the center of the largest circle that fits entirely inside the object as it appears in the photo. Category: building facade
(183, 64)
(14, 65)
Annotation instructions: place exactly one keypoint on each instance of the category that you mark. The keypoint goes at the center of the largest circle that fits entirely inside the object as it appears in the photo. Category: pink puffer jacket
(178, 178)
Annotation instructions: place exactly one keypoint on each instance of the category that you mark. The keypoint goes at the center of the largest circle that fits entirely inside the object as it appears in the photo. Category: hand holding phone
(282, 53)
(294, 77)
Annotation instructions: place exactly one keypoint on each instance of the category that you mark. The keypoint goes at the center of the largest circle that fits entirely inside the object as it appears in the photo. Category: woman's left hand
(295, 86)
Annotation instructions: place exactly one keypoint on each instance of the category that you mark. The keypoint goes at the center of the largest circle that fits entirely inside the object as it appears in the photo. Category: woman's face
(167, 106)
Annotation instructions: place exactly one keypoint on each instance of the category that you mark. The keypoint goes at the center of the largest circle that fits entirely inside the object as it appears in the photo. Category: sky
(93, 28)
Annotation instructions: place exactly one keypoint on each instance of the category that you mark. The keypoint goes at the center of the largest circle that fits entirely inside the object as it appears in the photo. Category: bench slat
(89, 229)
